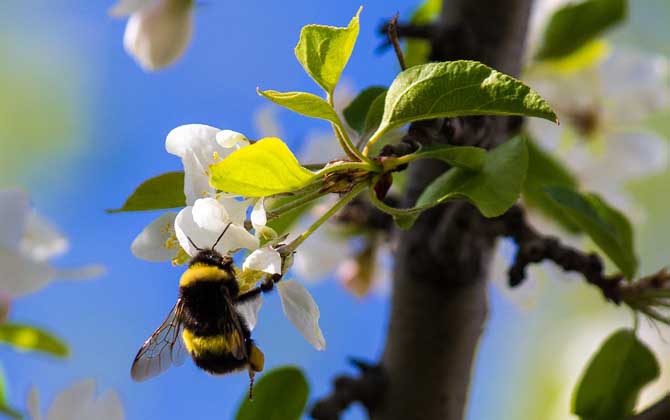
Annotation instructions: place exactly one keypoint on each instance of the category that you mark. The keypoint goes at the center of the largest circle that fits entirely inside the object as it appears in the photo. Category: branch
(659, 411)
(366, 389)
(439, 303)
(533, 247)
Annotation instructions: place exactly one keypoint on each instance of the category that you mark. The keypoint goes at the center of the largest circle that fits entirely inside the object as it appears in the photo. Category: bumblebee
(207, 322)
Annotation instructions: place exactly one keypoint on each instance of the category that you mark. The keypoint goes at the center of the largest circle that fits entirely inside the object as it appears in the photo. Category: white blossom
(201, 225)
(27, 242)
(78, 402)
(264, 259)
(157, 32)
(199, 146)
(601, 110)
(206, 213)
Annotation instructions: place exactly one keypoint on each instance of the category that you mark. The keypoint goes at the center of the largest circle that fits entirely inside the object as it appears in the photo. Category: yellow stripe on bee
(200, 272)
(217, 344)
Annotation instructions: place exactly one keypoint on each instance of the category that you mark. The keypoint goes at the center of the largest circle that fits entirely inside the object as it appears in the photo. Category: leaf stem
(342, 136)
(321, 220)
(376, 136)
(294, 204)
(337, 167)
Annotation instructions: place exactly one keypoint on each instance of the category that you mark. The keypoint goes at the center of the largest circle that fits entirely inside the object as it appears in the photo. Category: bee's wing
(163, 349)
(237, 344)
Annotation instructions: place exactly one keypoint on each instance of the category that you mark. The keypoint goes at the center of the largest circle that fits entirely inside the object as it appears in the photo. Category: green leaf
(374, 116)
(606, 226)
(4, 405)
(458, 88)
(418, 50)
(577, 23)
(545, 171)
(303, 103)
(356, 112)
(280, 394)
(264, 168)
(493, 190)
(610, 386)
(466, 157)
(161, 192)
(27, 338)
(324, 51)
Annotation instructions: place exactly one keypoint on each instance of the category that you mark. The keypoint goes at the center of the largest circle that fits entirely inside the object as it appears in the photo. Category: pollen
(216, 156)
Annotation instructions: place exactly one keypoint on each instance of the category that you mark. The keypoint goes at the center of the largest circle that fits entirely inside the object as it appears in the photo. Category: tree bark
(439, 303)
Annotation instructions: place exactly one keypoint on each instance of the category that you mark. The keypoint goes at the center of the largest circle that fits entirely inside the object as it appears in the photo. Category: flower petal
(33, 404)
(73, 402)
(41, 239)
(320, 255)
(264, 259)
(636, 85)
(20, 275)
(14, 209)
(108, 407)
(230, 138)
(236, 237)
(209, 214)
(126, 7)
(258, 215)
(198, 148)
(249, 311)
(626, 156)
(157, 242)
(300, 308)
(158, 34)
(236, 209)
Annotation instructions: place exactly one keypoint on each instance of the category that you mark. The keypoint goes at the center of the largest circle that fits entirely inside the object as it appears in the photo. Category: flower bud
(158, 33)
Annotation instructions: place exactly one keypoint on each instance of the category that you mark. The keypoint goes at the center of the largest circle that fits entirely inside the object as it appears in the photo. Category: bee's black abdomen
(220, 363)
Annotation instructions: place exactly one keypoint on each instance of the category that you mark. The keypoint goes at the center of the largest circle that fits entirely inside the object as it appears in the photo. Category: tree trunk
(439, 303)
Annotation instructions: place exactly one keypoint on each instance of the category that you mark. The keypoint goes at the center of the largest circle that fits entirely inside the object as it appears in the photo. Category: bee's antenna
(221, 236)
(193, 243)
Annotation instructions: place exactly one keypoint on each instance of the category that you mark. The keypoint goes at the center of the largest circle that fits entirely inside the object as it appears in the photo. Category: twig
(406, 31)
(658, 411)
(366, 389)
(534, 247)
(392, 34)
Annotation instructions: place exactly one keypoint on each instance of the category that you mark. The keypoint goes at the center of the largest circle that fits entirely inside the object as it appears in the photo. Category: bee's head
(212, 258)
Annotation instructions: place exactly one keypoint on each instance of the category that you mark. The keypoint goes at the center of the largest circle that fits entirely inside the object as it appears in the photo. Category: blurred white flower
(78, 402)
(27, 242)
(602, 109)
(157, 32)
(361, 263)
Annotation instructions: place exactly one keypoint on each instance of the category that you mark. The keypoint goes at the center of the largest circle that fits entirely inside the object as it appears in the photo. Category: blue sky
(121, 117)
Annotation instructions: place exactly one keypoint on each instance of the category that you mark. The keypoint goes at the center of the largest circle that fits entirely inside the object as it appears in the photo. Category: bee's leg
(256, 364)
(265, 287)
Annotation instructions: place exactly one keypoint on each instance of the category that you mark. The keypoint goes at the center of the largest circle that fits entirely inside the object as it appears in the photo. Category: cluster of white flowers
(27, 243)
(158, 31)
(208, 213)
